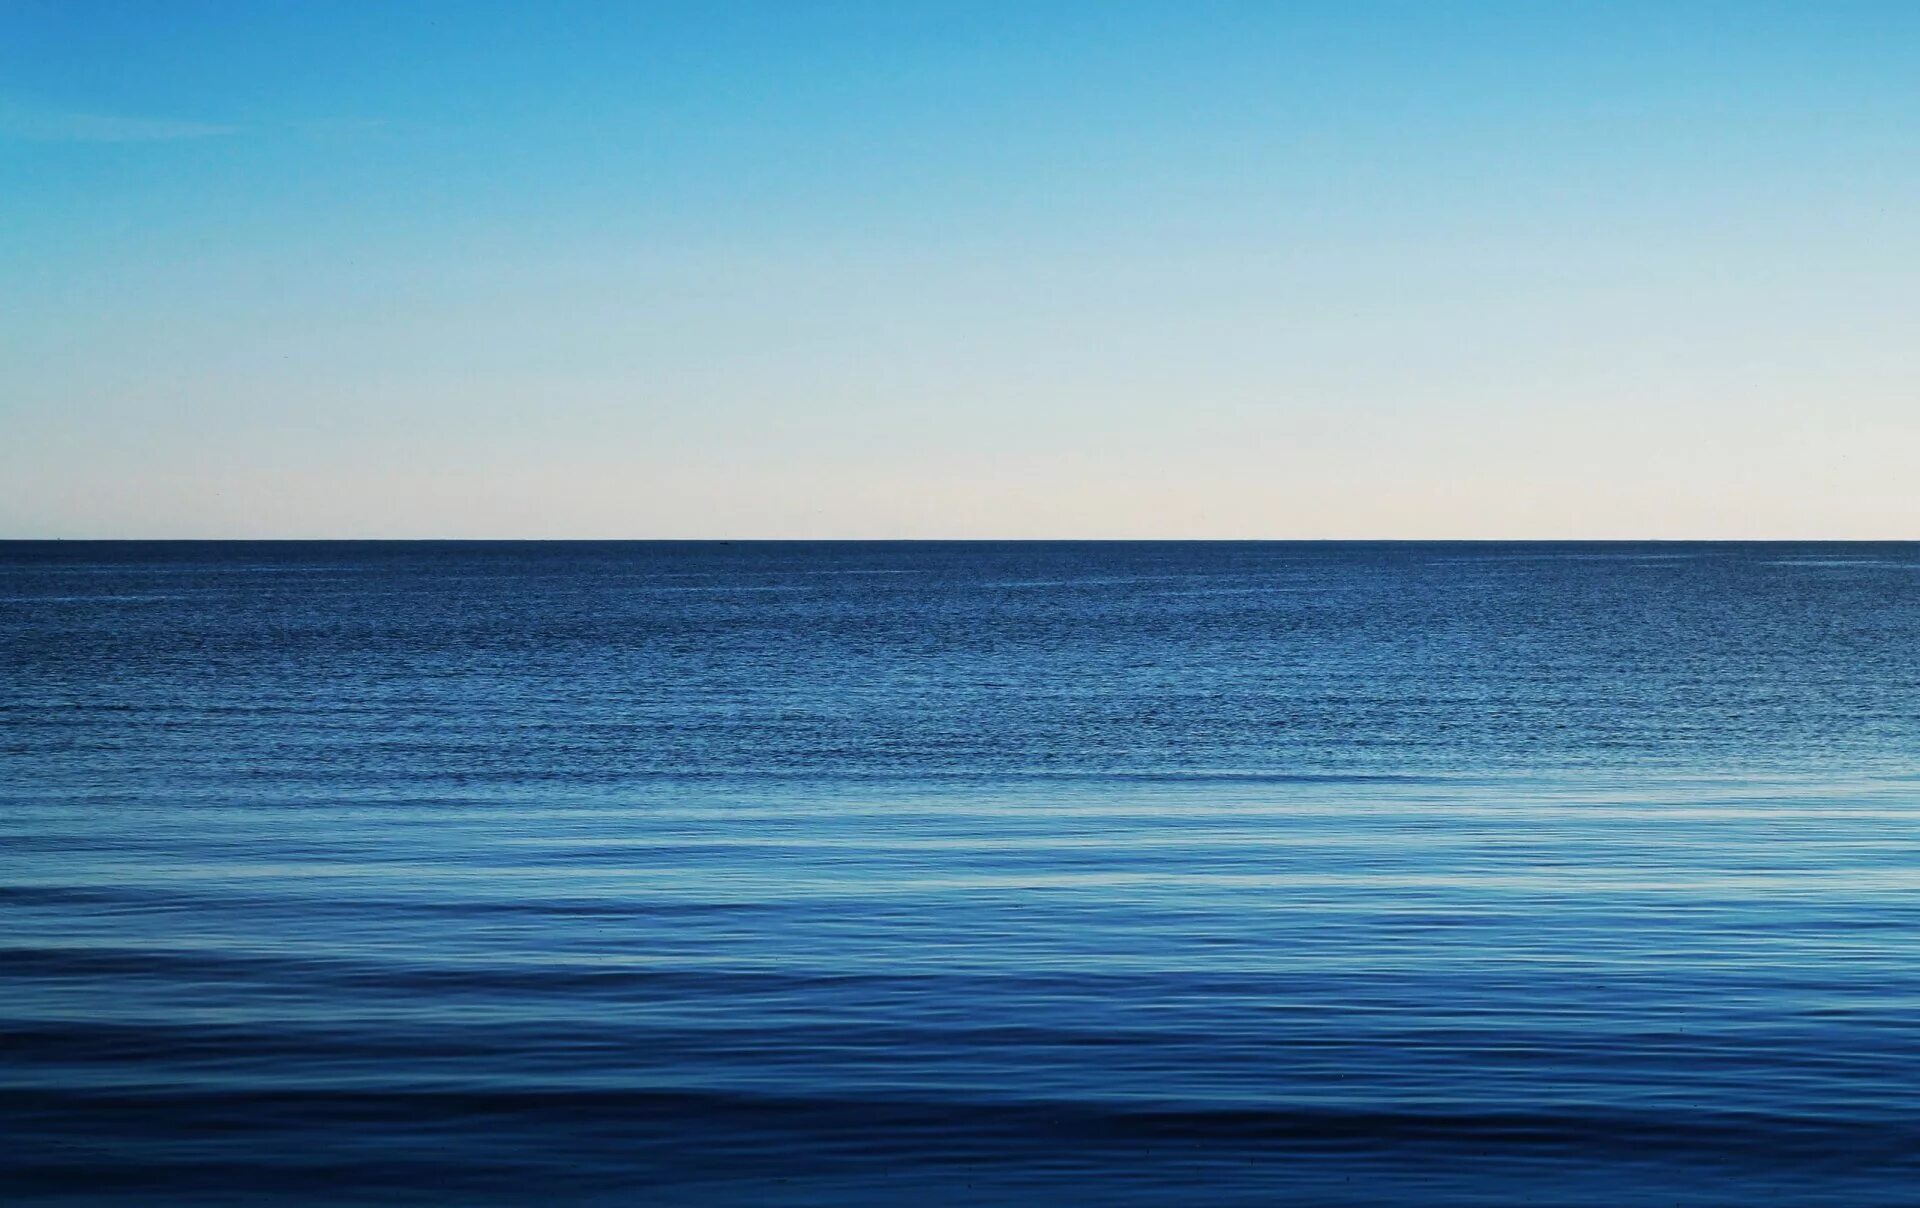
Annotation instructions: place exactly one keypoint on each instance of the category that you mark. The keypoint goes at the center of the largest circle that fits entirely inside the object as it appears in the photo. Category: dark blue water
(933, 874)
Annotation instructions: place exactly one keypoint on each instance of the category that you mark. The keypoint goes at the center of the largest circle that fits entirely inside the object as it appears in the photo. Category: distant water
(931, 874)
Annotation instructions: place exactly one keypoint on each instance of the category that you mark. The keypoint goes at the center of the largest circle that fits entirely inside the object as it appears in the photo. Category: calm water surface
(847, 874)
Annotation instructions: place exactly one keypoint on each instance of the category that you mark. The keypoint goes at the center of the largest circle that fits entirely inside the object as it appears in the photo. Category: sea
(900, 873)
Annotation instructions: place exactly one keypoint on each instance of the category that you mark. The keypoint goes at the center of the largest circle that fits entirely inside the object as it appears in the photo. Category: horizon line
(9, 540)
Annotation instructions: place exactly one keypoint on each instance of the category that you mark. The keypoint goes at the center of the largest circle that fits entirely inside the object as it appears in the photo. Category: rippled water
(850, 874)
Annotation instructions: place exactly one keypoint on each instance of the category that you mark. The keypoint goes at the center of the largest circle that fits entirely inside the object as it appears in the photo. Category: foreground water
(851, 874)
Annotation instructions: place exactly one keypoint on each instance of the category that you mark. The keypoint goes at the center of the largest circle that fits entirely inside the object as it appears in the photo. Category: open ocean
(849, 874)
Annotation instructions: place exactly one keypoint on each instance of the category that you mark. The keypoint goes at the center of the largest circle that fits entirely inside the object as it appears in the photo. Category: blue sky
(888, 270)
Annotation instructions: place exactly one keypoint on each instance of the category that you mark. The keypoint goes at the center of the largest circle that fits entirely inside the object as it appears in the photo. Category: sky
(979, 269)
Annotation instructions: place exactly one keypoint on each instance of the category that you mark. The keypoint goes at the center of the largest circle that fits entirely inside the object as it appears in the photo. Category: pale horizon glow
(1076, 270)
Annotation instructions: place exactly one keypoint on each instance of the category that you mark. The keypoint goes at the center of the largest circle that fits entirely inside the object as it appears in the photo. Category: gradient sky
(970, 269)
